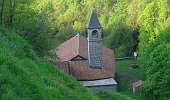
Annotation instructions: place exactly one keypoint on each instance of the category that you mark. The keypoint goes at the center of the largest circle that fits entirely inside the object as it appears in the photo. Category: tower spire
(94, 30)
(93, 21)
(78, 33)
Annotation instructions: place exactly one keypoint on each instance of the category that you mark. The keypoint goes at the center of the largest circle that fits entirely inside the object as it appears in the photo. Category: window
(94, 34)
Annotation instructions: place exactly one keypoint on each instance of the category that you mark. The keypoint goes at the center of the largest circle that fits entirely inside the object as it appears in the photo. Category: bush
(109, 95)
(123, 84)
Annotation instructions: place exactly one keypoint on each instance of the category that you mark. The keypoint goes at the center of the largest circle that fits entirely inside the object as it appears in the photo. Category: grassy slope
(123, 66)
(25, 76)
(109, 95)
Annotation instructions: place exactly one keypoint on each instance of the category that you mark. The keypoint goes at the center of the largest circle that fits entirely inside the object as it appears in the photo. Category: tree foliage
(75, 14)
(154, 48)
(151, 21)
(30, 21)
(157, 65)
(41, 22)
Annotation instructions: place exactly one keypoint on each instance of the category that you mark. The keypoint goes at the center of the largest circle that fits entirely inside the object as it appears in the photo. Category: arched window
(95, 34)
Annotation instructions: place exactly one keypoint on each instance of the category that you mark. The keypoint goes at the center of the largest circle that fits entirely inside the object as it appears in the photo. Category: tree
(118, 33)
(133, 13)
(41, 34)
(1, 11)
(121, 41)
(156, 58)
(30, 21)
(151, 20)
(11, 14)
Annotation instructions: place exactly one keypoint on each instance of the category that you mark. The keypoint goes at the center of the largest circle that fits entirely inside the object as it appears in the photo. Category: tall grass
(25, 76)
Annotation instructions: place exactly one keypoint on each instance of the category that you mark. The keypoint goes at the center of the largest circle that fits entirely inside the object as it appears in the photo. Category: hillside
(23, 75)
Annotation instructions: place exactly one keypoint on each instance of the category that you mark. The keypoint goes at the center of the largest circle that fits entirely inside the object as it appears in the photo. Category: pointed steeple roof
(94, 21)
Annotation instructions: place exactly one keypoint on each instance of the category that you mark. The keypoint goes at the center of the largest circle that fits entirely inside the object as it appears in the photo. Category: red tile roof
(81, 71)
(69, 49)
(78, 45)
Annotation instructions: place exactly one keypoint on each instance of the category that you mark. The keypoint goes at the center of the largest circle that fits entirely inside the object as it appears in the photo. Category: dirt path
(128, 76)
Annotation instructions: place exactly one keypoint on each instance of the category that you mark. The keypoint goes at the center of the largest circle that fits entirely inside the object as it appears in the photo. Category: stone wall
(95, 54)
(95, 49)
(107, 87)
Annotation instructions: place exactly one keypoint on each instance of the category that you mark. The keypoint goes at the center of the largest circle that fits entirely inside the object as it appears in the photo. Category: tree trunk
(1, 11)
(11, 15)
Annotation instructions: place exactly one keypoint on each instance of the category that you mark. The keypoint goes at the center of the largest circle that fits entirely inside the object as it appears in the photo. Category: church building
(86, 59)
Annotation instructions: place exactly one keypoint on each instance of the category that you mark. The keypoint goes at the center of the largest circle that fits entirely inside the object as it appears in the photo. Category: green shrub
(109, 95)
(123, 84)
(156, 62)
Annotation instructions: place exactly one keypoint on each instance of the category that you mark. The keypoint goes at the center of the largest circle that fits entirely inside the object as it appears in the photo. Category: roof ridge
(67, 40)
(78, 50)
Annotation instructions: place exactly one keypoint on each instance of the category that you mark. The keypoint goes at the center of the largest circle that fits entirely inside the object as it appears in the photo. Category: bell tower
(94, 30)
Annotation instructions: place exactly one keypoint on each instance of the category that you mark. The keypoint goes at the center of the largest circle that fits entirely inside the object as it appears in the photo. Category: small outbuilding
(109, 84)
(137, 85)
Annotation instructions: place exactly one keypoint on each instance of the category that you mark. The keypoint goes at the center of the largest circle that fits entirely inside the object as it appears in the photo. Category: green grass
(124, 66)
(109, 95)
(135, 96)
(124, 87)
(24, 76)
(123, 84)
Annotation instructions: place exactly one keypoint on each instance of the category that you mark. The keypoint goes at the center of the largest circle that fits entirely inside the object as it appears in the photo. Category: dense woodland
(128, 26)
